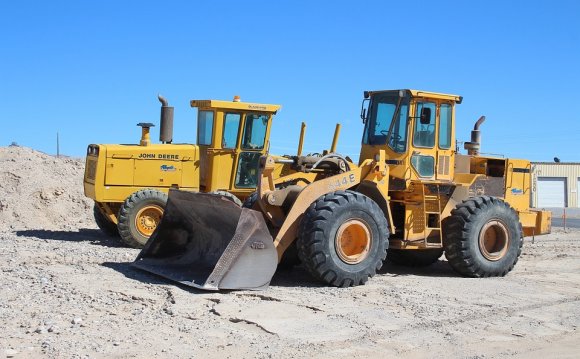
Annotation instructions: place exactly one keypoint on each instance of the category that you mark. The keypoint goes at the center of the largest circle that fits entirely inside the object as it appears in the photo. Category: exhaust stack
(475, 144)
(166, 121)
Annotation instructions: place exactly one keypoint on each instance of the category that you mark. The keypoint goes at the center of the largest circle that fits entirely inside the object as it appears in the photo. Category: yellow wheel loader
(129, 183)
(411, 198)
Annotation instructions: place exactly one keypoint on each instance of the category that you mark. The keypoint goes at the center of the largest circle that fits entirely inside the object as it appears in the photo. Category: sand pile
(39, 191)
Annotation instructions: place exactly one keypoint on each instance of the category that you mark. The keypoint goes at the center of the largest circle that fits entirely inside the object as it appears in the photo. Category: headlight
(93, 150)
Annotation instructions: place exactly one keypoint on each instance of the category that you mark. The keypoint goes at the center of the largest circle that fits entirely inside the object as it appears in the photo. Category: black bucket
(207, 241)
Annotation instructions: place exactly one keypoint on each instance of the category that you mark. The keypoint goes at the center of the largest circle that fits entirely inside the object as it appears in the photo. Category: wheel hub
(353, 241)
(147, 219)
(494, 240)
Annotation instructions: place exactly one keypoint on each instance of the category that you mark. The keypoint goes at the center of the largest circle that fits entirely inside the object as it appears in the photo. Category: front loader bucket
(208, 242)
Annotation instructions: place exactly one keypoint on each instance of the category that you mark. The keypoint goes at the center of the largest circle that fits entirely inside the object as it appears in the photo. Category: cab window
(247, 172)
(204, 127)
(445, 126)
(254, 134)
(231, 126)
(424, 134)
(383, 117)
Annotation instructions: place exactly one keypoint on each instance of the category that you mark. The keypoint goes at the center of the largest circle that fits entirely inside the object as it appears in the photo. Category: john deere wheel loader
(129, 183)
(411, 198)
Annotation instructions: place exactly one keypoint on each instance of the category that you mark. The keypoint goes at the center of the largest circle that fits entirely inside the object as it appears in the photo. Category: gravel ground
(72, 294)
(68, 291)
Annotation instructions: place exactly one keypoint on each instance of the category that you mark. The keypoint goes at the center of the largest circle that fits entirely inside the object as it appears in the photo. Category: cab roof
(244, 106)
(421, 93)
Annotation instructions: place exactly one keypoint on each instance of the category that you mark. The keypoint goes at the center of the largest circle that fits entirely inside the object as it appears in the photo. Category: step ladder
(434, 204)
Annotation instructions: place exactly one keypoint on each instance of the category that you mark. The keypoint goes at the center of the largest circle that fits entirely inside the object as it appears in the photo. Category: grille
(91, 169)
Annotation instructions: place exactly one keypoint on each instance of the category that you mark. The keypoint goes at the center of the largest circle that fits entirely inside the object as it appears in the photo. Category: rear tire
(105, 225)
(343, 238)
(139, 216)
(414, 257)
(483, 237)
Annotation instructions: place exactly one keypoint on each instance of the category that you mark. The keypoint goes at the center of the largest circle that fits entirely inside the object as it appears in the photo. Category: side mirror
(425, 116)
(363, 109)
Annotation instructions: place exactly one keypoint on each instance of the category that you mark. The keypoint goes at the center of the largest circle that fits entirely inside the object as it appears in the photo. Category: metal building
(555, 184)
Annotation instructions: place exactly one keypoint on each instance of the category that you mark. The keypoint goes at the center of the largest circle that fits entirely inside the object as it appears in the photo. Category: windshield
(387, 122)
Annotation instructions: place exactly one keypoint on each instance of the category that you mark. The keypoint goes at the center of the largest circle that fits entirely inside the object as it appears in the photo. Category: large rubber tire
(139, 216)
(483, 237)
(343, 238)
(414, 258)
(229, 196)
(105, 225)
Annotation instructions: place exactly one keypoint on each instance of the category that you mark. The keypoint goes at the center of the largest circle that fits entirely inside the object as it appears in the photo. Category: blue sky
(91, 70)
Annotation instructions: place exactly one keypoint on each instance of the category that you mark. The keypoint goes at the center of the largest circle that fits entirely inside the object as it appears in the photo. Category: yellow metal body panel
(231, 105)
(125, 169)
(436, 96)
(518, 184)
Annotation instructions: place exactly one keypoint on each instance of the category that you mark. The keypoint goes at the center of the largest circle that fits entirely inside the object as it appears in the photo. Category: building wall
(570, 171)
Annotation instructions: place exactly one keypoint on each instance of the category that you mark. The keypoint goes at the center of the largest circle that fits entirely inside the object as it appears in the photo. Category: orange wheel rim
(353, 241)
(494, 240)
(147, 219)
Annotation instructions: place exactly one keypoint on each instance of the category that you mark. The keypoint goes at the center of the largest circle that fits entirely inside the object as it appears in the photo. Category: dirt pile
(39, 191)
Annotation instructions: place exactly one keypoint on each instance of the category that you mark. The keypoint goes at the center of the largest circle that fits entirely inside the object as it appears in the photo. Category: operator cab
(232, 136)
(416, 128)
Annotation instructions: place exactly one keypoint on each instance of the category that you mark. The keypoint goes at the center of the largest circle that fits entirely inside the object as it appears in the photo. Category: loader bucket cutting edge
(208, 242)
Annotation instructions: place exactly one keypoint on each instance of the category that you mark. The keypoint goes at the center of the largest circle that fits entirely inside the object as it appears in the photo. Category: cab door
(252, 145)
(432, 156)
(423, 151)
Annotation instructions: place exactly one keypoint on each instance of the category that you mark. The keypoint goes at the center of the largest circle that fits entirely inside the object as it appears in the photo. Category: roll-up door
(551, 192)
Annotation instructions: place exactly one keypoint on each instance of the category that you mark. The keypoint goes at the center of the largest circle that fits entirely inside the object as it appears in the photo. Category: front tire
(343, 238)
(139, 216)
(483, 237)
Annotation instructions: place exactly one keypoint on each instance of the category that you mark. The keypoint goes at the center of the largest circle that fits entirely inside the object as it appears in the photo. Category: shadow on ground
(288, 277)
(94, 236)
(126, 269)
(438, 269)
(295, 277)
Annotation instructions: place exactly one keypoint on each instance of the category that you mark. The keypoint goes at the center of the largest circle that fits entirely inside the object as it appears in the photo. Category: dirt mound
(39, 191)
